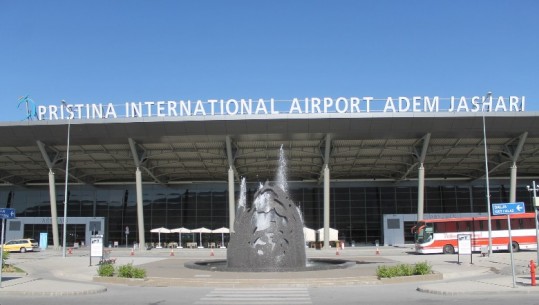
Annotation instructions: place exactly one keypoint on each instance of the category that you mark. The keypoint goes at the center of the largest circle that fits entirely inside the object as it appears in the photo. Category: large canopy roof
(355, 147)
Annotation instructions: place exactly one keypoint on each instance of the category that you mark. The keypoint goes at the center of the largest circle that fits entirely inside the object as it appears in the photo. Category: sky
(135, 51)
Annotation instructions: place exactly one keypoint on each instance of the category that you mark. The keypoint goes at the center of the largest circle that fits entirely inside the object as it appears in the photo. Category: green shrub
(403, 270)
(128, 271)
(384, 271)
(105, 270)
(423, 268)
(5, 256)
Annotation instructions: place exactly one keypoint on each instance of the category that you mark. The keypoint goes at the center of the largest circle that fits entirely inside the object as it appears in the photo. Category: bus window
(528, 223)
(478, 225)
(439, 227)
(516, 224)
(500, 224)
(423, 234)
(451, 226)
(464, 226)
(428, 232)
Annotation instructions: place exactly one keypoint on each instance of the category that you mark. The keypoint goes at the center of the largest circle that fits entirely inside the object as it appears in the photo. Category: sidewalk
(51, 274)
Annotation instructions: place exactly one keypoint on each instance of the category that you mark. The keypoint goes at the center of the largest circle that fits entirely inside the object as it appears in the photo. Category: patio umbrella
(180, 231)
(222, 230)
(309, 234)
(159, 231)
(333, 234)
(200, 231)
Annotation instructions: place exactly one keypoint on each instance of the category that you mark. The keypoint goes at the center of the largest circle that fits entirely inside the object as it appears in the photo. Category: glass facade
(356, 211)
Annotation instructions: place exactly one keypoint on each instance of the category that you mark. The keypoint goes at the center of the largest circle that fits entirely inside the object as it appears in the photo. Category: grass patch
(5, 256)
(403, 270)
(13, 269)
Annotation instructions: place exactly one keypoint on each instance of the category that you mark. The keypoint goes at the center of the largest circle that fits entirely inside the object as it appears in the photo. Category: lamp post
(66, 179)
(535, 207)
(489, 94)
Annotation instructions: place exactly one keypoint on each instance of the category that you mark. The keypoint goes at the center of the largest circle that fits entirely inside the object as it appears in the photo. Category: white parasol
(180, 231)
(159, 231)
(200, 231)
(222, 230)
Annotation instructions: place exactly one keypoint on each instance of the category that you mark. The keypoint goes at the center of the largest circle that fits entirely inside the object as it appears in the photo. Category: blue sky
(131, 51)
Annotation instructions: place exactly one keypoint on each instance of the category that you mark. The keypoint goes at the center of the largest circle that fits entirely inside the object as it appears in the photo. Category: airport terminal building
(352, 163)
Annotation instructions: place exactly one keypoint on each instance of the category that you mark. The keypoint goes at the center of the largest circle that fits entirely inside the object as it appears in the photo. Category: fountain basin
(313, 264)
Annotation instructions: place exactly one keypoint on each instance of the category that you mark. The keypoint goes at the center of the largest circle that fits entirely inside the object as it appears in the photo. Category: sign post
(4, 214)
(96, 247)
(126, 234)
(509, 209)
(465, 245)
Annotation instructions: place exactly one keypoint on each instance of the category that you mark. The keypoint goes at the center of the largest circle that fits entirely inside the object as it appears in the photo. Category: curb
(249, 282)
(413, 278)
(476, 292)
(246, 282)
(35, 286)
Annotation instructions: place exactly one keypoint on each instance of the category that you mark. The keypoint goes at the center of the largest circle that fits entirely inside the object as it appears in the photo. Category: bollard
(532, 271)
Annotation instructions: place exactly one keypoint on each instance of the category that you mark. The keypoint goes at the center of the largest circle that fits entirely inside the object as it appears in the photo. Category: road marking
(268, 296)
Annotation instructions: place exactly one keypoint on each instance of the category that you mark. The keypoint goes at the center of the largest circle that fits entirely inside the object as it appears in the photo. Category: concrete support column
(421, 192)
(54, 210)
(513, 188)
(326, 207)
(231, 200)
(140, 210)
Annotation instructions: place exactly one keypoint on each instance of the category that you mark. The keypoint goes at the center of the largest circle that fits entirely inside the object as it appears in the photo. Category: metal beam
(420, 156)
(512, 154)
(326, 157)
(516, 153)
(231, 157)
(10, 178)
(51, 156)
(139, 158)
(54, 159)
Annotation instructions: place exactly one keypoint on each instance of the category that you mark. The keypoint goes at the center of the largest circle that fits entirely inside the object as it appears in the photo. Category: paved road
(486, 281)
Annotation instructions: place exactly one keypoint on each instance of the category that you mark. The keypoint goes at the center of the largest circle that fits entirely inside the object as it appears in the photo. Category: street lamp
(67, 178)
(489, 94)
(534, 190)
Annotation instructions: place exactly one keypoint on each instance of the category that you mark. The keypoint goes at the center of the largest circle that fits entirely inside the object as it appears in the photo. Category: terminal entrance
(78, 229)
(75, 233)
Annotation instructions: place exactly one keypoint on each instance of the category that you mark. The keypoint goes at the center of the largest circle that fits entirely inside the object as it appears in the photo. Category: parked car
(20, 245)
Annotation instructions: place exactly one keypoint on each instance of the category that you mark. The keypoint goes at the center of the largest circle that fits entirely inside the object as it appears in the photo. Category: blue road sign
(7, 213)
(508, 208)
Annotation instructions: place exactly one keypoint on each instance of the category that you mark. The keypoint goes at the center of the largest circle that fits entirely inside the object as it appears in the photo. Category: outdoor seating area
(207, 238)
(196, 238)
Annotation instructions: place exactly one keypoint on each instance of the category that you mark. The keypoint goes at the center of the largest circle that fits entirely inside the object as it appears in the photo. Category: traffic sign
(508, 208)
(7, 213)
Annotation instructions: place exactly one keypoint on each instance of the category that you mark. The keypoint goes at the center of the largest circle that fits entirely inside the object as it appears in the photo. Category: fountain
(268, 234)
